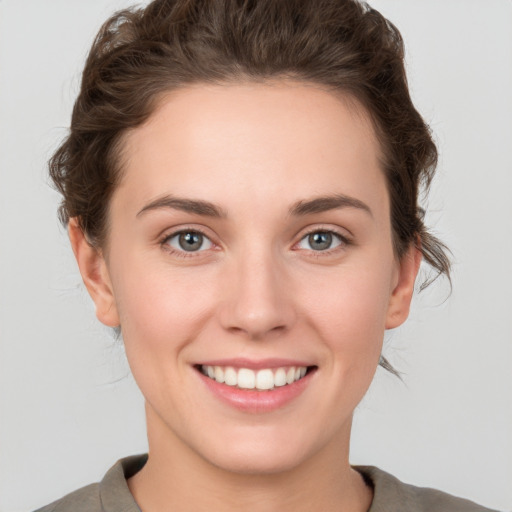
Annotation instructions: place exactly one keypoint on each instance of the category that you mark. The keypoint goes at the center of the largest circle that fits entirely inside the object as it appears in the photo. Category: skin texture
(257, 289)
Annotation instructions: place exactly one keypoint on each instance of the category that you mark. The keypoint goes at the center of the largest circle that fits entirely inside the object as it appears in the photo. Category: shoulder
(86, 499)
(392, 494)
(110, 495)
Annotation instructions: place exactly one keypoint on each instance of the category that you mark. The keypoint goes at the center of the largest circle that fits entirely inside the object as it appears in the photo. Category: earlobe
(401, 296)
(95, 275)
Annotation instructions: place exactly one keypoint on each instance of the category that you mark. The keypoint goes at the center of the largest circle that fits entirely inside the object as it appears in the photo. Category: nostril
(257, 332)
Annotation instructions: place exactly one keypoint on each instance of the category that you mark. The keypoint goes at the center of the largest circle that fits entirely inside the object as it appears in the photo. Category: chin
(257, 463)
(258, 455)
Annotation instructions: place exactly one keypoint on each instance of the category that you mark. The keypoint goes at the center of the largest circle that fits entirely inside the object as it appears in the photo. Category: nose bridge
(258, 300)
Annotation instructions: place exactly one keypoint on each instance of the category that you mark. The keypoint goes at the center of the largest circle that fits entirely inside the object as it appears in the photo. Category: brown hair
(342, 44)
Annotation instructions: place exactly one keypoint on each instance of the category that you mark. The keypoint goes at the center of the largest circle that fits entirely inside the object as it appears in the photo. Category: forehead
(256, 138)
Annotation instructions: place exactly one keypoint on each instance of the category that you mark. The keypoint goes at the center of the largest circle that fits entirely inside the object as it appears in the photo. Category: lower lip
(252, 401)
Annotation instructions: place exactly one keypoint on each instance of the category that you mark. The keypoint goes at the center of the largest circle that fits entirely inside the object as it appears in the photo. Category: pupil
(320, 241)
(191, 241)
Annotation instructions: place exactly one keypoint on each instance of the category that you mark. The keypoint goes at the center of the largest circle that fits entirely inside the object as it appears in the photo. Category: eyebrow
(326, 203)
(196, 206)
(300, 208)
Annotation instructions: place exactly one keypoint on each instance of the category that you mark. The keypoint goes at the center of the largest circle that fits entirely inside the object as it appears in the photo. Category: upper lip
(254, 364)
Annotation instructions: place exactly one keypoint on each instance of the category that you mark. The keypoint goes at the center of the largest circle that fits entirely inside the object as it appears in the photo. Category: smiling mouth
(265, 379)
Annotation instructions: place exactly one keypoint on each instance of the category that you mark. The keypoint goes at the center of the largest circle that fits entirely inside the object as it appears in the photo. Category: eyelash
(344, 242)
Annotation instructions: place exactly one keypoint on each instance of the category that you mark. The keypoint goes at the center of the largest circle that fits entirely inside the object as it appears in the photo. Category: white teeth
(265, 379)
(219, 374)
(246, 378)
(280, 377)
(230, 377)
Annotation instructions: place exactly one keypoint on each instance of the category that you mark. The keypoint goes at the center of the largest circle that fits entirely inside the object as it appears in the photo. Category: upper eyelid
(166, 234)
(344, 240)
(343, 233)
(181, 231)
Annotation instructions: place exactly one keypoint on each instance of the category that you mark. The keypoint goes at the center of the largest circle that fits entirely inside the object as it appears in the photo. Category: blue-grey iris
(320, 241)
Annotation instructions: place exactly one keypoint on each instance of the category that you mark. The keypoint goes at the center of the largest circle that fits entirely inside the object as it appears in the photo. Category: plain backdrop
(68, 406)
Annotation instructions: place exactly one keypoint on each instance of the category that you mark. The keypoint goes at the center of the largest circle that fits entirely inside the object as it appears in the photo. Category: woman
(240, 186)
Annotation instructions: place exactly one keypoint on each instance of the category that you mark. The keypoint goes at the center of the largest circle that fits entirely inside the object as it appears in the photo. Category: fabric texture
(389, 494)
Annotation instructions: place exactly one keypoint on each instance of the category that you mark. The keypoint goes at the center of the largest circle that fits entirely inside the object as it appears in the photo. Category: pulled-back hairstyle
(140, 54)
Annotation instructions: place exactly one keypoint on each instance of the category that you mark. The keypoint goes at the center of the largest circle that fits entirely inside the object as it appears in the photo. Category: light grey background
(67, 409)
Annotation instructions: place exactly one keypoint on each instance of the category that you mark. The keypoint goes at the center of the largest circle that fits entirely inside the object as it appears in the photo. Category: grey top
(389, 493)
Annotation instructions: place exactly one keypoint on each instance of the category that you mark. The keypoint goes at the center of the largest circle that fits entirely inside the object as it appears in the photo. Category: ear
(95, 275)
(401, 296)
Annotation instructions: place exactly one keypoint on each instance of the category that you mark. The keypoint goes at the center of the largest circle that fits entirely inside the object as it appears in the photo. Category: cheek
(349, 309)
(161, 310)
(161, 315)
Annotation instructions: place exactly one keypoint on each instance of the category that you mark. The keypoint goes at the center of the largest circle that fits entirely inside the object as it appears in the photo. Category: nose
(258, 298)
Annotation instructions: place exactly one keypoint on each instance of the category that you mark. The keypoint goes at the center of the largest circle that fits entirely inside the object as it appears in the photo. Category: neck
(177, 478)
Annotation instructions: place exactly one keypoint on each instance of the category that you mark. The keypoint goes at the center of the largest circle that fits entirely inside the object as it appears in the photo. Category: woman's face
(250, 238)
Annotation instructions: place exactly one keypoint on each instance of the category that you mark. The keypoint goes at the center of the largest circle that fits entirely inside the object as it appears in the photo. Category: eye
(189, 241)
(321, 241)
